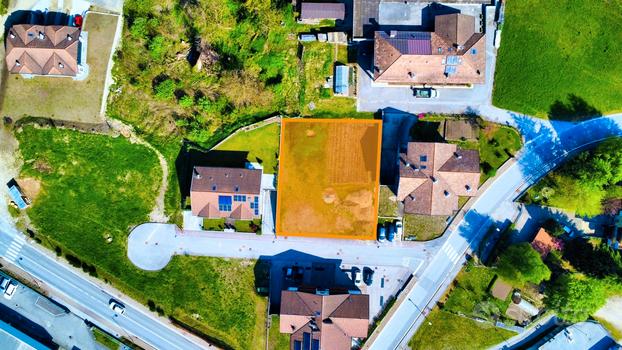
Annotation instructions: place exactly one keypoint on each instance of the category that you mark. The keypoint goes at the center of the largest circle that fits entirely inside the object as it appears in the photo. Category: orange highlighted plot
(329, 171)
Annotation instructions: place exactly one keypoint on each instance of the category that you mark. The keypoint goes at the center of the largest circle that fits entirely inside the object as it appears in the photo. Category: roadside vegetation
(588, 184)
(571, 65)
(388, 204)
(65, 98)
(94, 188)
(424, 227)
(445, 330)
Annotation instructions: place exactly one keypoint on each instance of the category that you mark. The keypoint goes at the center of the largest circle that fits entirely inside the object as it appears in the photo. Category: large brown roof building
(225, 193)
(327, 322)
(42, 50)
(453, 54)
(433, 175)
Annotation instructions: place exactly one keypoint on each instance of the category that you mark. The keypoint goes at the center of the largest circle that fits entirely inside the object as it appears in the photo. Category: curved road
(547, 145)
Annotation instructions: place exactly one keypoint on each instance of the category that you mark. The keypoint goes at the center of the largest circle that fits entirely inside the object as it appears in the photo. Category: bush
(186, 101)
(166, 90)
(575, 297)
(520, 263)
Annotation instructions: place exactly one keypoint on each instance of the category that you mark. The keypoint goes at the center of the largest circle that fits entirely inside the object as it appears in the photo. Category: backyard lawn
(574, 66)
(276, 339)
(444, 330)
(64, 98)
(388, 206)
(79, 173)
(262, 145)
(424, 227)
(496, 145)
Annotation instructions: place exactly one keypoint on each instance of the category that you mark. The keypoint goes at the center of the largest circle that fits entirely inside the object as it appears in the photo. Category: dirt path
(9, 167)
(157, 214)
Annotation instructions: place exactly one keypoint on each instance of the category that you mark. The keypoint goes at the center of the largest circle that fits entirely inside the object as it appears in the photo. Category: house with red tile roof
(327, 322)
(543, 242)
(217, 192)
(433, 175)
(453, 54)
(43, 50)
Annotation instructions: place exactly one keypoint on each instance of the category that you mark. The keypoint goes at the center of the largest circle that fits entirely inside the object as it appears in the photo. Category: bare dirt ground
(9, 167)
(612, 313)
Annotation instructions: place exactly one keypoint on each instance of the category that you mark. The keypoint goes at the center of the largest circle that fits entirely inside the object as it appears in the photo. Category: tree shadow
(574, 109)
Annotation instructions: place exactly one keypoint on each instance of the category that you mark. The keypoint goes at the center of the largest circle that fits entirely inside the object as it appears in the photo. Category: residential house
(579, 336)
(321, 321)
(12, 338)
(226, 193)
(453, 54)
(314, 12)
(543, 242)
(433, 175)
(43, 50)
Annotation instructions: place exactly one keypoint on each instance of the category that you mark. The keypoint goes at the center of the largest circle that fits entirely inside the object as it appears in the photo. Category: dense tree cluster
(520, 264)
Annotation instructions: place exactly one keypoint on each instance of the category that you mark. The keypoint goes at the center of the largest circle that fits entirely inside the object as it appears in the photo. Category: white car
(4, 282)
(116, 307)
(399, 229)
(356, 276)
(10, 290)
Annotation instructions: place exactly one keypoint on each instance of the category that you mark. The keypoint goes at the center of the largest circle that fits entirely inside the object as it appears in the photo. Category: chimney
(41, 36)
(434, 180)
(393, 33)
(60, 65)
(12, 35)
(17, 63)
(446, 193)
(69, 37)
(196, 173)
(457, 155)
(468, 188)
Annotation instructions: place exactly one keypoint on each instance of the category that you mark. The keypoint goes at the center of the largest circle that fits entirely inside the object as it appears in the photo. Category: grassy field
(424, 227)
(471, 296)
(328, 178)
(444, 330)
(104, 339)
(262, 145)
(94, 187)
(574, 67)
(276, 339)
(387, 207)
(64, 98)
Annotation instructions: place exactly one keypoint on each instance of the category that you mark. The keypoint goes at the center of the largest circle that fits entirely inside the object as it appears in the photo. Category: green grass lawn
(424, 227)
(496, 145)
(444, 330)
(94, 186)
(262, 145)
(276, 339)
(387, 207)
(574, 68)
(104, 339)
(64, 98)
(471, 296)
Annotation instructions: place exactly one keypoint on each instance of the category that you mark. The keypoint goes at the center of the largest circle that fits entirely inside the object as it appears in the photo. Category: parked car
(4, 282)
(391, 234)
(356, 275)
(116, 307)
(368, 276)
(10, 290)
(382, 233)
(425, 93)
(399, 229)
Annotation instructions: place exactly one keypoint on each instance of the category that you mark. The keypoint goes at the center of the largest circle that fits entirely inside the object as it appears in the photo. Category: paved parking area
(44, 320)
(372, 98)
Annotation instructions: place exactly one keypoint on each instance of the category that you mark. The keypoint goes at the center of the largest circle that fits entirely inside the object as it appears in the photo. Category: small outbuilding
(342, 80)
(500, 289)
(314, 12)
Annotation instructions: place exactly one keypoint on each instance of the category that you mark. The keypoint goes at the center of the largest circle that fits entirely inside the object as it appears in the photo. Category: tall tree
(520, 263)
(575, 296)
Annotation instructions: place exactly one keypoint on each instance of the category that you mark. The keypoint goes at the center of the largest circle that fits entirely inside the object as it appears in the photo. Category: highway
(90, 300)
(547, 145)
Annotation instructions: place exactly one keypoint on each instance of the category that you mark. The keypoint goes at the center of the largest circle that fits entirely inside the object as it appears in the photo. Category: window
(239, 198)
(440, 50)
(473, 51)
(224, 203)
(237, 188)
(256, 211)
(423, 167)
(423, 158)
(213, 187)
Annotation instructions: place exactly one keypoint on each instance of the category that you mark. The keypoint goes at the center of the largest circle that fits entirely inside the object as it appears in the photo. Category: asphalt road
(89, 300)
(548, 144)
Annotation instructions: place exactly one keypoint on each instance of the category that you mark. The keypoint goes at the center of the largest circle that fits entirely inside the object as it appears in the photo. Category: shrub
(186, 101)
(165, 90)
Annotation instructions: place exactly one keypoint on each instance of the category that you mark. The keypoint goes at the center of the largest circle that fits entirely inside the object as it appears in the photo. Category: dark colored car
(368, 275)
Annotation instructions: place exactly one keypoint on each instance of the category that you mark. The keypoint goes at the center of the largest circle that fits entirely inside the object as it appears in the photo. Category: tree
(165, 90)
(520, 263)
(575, 297)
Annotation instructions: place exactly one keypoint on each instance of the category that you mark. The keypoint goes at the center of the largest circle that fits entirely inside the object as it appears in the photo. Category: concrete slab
(151, 246)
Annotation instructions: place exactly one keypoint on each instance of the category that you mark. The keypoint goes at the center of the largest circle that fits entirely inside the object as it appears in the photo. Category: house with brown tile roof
(314, 12)
(327, 322)
(453, 54)
(43, 50)
(433, 175)
(226, 193)
(543, 243)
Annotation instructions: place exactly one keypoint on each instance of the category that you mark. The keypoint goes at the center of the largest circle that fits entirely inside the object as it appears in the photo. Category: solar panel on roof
(449, 70)
(453, 60)
(341, 79)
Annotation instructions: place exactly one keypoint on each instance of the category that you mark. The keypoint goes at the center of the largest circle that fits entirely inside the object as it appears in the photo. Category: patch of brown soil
(42, 166)
(31, 187)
